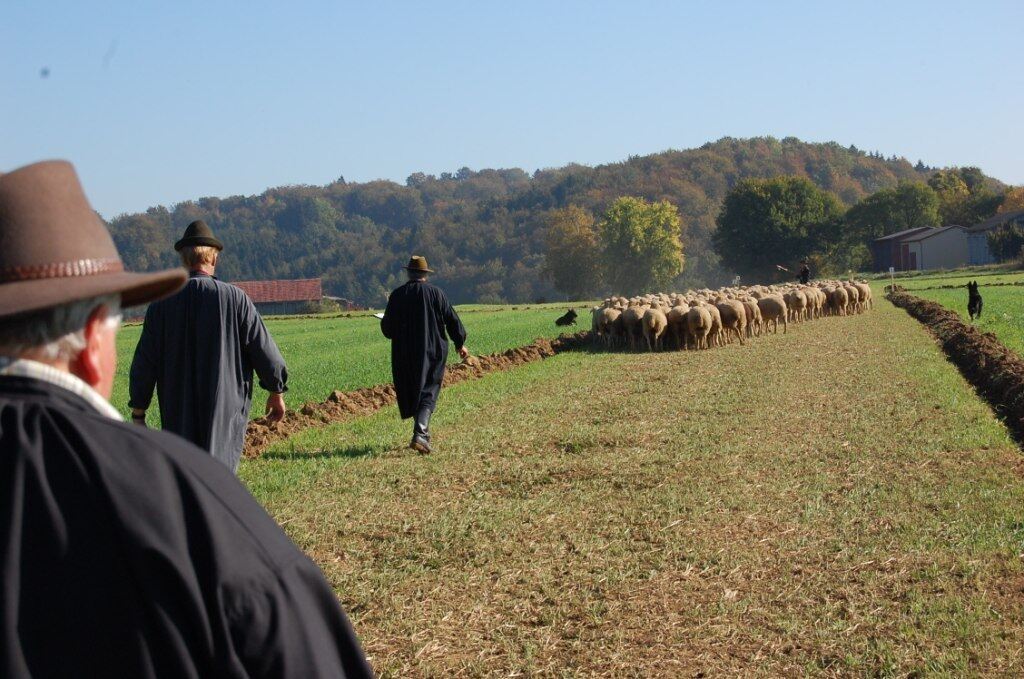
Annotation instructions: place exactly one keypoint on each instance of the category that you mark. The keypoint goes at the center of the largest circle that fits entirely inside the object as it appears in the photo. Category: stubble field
(834, 501)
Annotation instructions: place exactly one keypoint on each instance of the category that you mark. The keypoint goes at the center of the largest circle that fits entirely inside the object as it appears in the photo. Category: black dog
(974, 301)
(569, 318)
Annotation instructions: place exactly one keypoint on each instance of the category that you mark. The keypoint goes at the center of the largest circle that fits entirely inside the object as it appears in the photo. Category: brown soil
(996, 372)
(345, 405)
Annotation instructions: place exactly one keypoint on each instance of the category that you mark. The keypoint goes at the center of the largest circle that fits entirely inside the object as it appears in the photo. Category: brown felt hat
(417, 263)
(198, 233)
(54, 249)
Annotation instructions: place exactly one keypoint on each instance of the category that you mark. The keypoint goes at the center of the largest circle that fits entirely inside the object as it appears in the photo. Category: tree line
(765, 224)
(488, 232)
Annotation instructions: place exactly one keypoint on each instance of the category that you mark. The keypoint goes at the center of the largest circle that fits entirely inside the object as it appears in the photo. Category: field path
(835, 501)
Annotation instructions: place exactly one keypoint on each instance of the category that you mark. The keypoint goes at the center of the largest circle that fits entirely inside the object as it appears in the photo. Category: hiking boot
(420, 445)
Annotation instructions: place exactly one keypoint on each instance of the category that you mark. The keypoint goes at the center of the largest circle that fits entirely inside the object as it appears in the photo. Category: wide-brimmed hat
(197, 234)
(417, 263)
(54, 249)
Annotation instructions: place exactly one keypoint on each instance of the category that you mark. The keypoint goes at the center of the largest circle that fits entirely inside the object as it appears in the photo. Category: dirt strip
(341, 405)
(996, 372)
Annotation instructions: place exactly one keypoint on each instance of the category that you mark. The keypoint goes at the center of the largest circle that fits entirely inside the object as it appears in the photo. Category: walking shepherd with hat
(416, 320)
(199, 349)
(126, 552)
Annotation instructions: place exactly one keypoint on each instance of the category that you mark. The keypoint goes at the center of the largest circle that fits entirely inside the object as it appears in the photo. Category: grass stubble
(835, 501)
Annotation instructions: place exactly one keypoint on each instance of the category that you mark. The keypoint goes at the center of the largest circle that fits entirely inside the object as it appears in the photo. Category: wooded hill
(484, 231)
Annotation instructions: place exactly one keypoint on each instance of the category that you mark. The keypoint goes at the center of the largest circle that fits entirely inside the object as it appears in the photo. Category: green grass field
(992, 279)
(327, 353)
(986, 276)
(835, 501)
(907, 278)
(1002, 314)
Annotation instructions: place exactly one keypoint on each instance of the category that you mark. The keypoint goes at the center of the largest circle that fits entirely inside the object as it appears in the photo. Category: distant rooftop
(931, 231)
(900, 235)
(997, 220)
(299, 290)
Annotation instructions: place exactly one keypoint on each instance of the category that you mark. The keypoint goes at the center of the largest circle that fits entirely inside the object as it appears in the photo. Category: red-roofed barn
(284, 297)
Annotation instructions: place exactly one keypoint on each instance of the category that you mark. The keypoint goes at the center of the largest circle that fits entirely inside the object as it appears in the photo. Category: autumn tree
(765, 222)
(906, 206)
(1013, 200)
(572, 255)
(640, 245)
(964, 197)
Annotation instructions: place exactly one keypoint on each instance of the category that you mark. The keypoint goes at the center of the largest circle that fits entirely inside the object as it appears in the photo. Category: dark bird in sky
(44, 72)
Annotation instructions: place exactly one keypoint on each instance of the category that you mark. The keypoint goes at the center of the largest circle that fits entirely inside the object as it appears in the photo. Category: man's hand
(463, 353)
(139, 417)
(275, 407)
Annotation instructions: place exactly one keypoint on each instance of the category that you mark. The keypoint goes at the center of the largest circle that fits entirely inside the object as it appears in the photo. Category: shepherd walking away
(126, 552)
(199, 349)
(416, 320)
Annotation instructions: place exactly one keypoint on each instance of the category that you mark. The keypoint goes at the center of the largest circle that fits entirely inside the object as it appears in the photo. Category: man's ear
(89, 364)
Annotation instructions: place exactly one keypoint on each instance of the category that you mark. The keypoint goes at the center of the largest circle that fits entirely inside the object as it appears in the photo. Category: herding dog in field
(569, 318)
(974, 301)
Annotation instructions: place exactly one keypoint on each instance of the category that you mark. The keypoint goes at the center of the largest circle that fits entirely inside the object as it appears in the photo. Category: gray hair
(56, 333)
(417, 275)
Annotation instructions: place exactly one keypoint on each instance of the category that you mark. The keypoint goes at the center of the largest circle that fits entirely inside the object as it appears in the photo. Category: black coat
(200, 348)
(416, 318)
(130, 553)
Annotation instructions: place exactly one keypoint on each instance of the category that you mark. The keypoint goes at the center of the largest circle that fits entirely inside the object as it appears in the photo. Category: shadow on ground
(350, 451)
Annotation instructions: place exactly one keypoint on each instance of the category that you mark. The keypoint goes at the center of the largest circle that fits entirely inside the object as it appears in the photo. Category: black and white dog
(974, 301)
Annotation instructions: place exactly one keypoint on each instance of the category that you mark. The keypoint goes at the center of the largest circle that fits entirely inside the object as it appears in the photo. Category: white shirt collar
(23, 367)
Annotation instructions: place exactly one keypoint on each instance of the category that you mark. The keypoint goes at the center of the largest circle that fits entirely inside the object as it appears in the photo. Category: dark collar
(200, 274)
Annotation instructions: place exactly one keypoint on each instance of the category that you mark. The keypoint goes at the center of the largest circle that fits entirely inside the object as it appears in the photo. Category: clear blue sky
(158, 102)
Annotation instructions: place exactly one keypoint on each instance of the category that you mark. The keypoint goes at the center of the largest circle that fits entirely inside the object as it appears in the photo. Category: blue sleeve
(259, 346)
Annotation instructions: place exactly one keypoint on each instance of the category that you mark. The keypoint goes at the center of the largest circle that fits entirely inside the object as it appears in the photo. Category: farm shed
(941, 248)
(886, 251)
(977, 236)
(926, 247)
(283, 297)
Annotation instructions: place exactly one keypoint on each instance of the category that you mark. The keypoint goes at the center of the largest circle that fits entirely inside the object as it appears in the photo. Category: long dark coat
(128, 552)
(200, 348)
(415, 320)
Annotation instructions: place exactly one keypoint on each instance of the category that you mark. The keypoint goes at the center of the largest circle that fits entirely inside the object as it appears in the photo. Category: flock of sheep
(708, 318)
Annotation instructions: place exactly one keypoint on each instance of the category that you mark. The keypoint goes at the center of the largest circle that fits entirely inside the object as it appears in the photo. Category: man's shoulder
(230, 294)
(230, 289)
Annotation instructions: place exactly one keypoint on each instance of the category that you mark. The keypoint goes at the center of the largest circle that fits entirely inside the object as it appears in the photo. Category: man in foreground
(199, 349)
(126, 552)
(415, 321)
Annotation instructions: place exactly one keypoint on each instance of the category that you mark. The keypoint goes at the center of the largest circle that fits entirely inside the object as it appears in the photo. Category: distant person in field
(416, 319)
(126, 552)
(199, 349)
(805, 272)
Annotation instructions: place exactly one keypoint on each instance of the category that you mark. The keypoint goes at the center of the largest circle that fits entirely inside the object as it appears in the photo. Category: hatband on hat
(54, 249)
